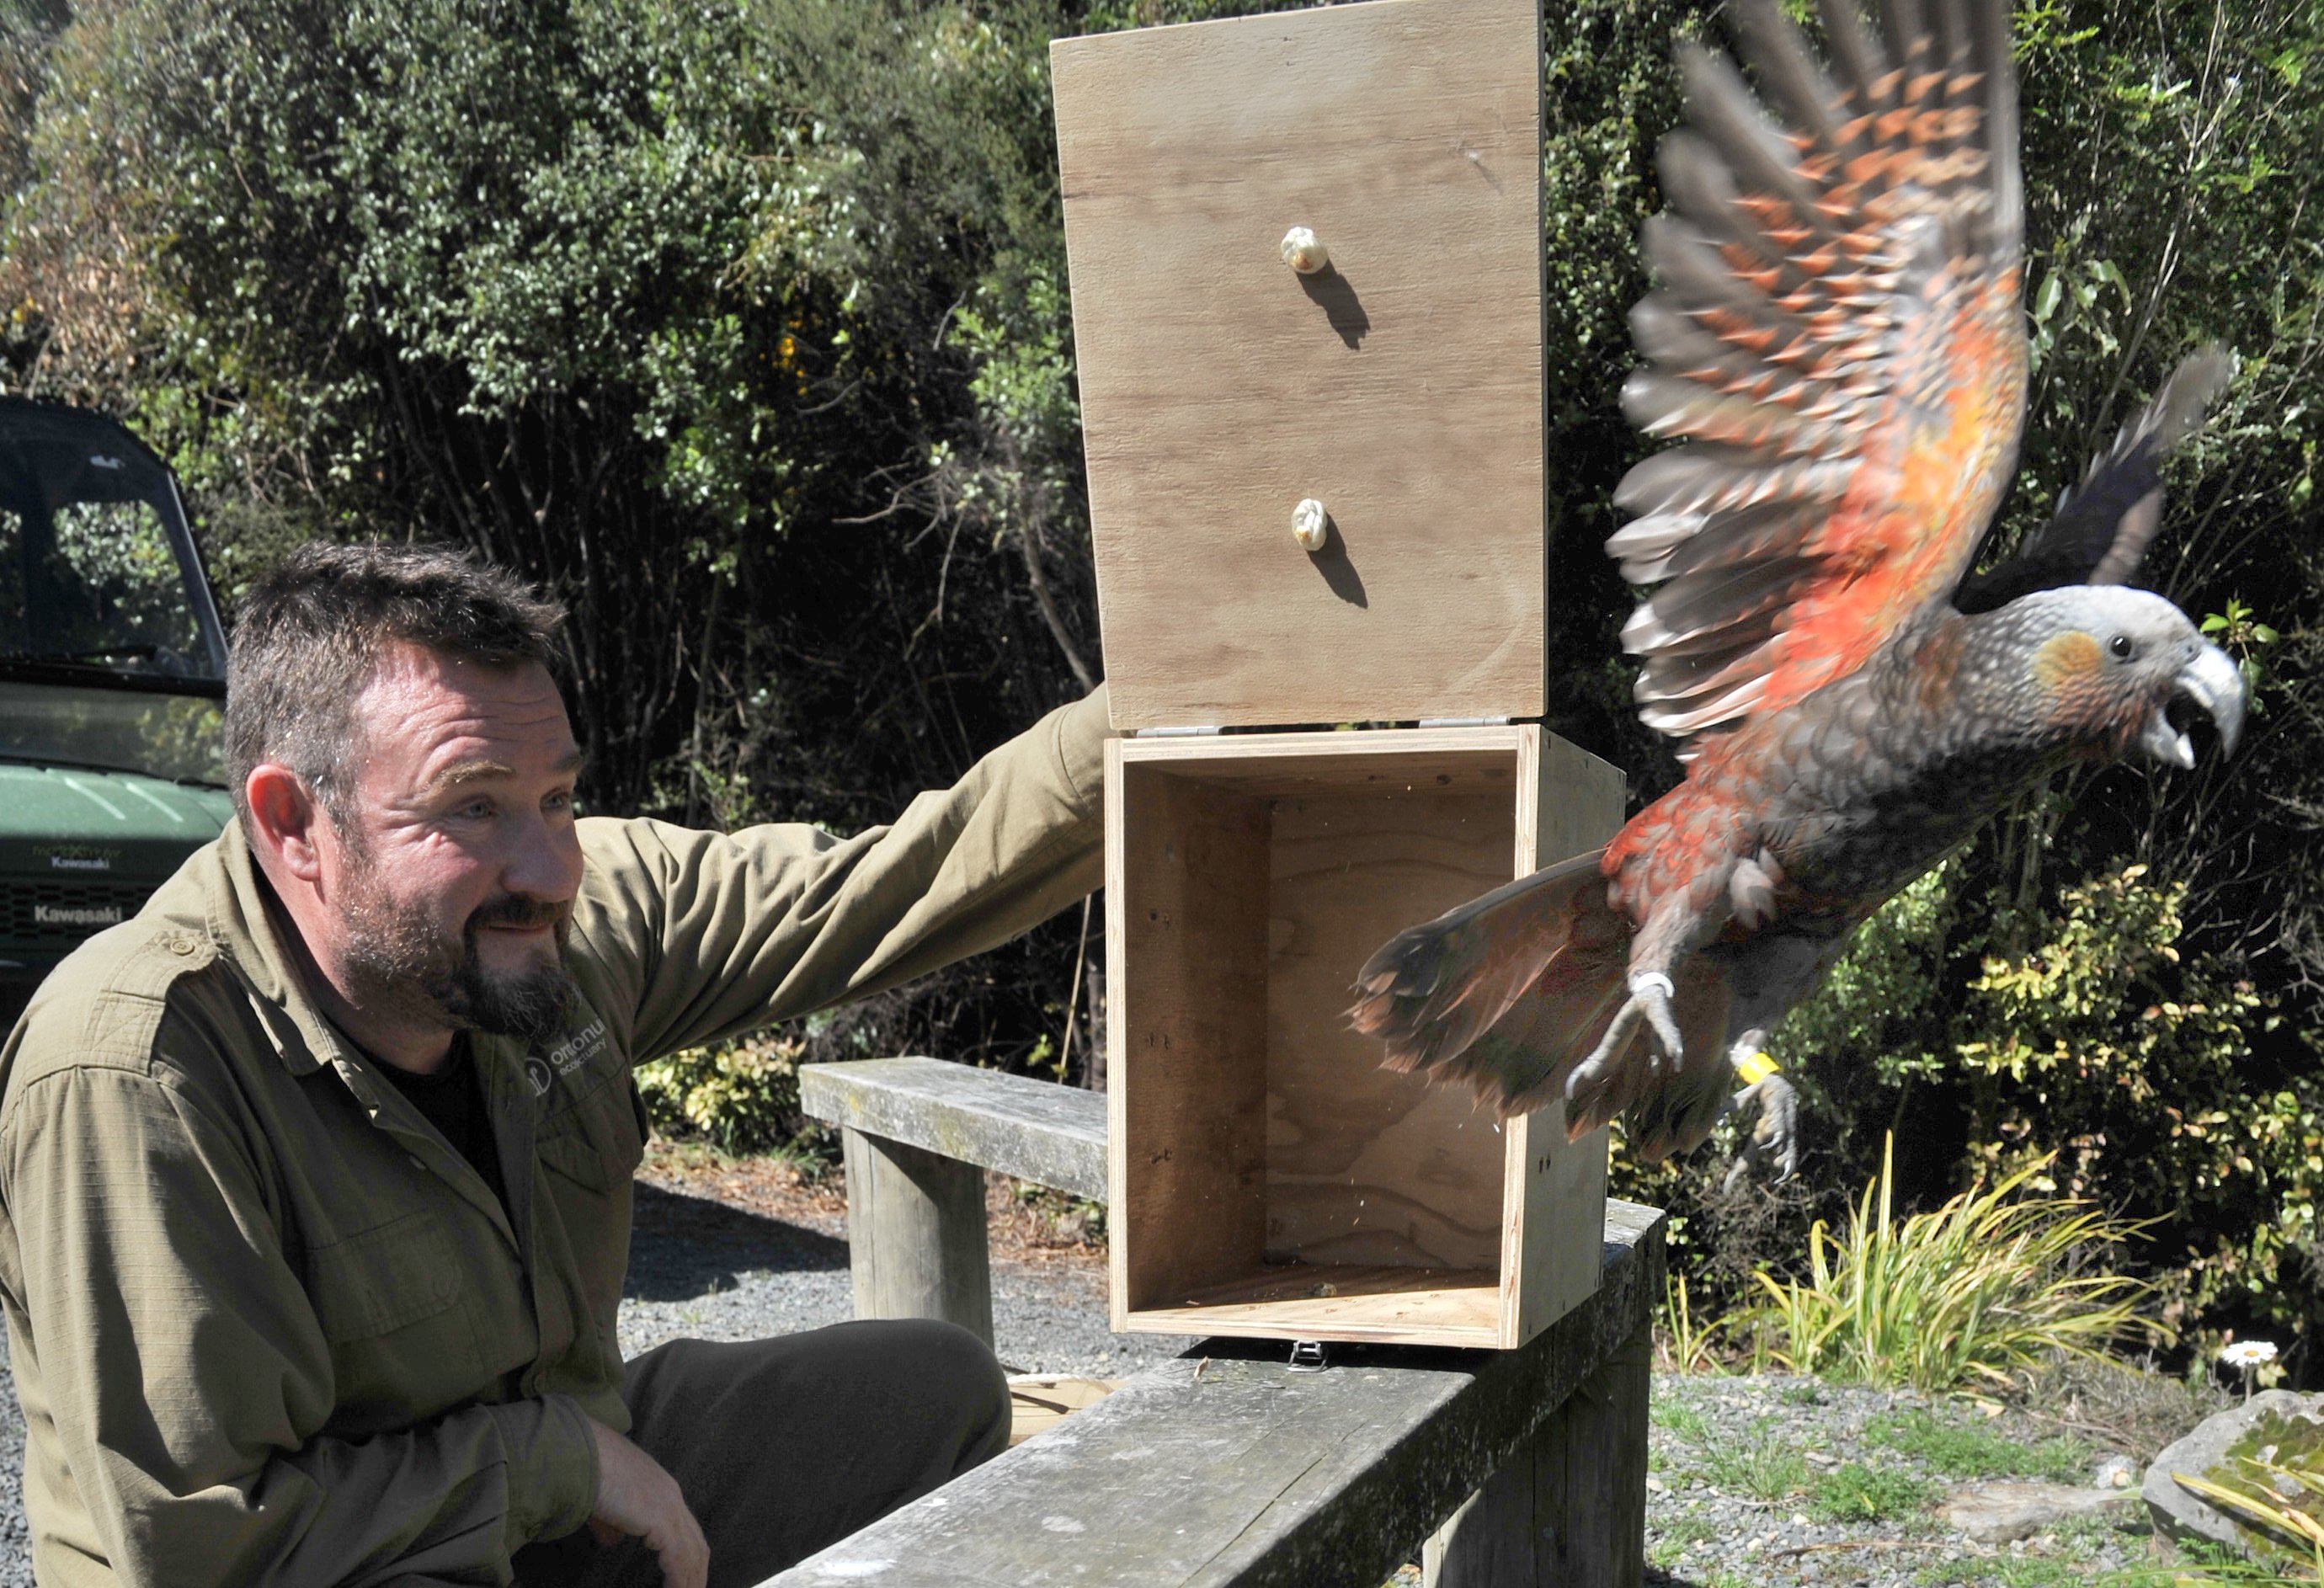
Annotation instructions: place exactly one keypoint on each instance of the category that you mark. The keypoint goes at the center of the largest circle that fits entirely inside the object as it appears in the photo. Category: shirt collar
(246, 933)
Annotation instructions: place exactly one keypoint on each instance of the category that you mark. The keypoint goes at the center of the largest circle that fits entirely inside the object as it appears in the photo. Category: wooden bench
(1230, 1465)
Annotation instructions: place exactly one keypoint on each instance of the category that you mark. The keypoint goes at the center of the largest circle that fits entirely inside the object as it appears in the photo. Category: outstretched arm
(708, 934)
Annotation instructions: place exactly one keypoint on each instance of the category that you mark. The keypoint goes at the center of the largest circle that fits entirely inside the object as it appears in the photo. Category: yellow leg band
(1755, 1068)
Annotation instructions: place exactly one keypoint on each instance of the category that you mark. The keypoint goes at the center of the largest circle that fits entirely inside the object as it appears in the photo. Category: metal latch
(1307, 1356)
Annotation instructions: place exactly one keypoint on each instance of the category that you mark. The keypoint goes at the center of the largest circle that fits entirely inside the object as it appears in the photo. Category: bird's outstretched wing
(2102, 526)
(1838, 334)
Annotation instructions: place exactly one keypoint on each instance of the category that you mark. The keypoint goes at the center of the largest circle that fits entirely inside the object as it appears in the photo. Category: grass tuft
(1762, 1469)
(1859, 1493)
(1984, 1290)
(1960, 1450)
(1680, 1418)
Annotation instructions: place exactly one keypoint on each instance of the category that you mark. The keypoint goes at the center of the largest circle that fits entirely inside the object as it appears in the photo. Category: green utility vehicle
(112, 685)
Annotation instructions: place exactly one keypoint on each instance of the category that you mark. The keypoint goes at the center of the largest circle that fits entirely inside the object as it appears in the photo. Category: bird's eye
(2123, 646)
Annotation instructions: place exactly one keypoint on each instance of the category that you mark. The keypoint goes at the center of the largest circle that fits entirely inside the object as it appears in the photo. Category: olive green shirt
(267, 1325)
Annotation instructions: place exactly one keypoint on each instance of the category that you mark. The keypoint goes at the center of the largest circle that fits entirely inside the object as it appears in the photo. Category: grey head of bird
(2099, 671)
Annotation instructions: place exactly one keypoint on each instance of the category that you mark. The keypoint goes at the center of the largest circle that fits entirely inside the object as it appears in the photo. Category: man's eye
(476, 810)
(559, 801)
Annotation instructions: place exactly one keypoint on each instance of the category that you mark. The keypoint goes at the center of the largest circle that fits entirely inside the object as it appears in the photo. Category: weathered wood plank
(1570, 1506)
(1225, 1468)
(1037, 1131)
(915, 1241)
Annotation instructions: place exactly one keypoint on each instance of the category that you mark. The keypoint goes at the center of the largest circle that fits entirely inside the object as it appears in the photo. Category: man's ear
(285, 819)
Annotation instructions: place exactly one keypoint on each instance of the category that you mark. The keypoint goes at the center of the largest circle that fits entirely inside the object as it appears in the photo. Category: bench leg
(1570, 1506)
(915, 1234)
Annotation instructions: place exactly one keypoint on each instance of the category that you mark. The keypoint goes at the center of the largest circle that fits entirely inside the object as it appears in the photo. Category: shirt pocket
(596, 1138)
(402, 1347)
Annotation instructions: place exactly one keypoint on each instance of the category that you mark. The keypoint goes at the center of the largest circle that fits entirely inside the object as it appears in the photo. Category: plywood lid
(1401, 387)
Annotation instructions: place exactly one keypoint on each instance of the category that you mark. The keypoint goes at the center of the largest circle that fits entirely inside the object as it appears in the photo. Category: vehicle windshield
(180, 737)
(98, 584)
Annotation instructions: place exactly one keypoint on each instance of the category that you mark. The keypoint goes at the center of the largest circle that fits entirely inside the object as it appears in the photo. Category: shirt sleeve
(183, 1372)
(708, 934)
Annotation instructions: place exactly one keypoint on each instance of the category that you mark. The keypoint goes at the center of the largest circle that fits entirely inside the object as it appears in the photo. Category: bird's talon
(1775, 1134)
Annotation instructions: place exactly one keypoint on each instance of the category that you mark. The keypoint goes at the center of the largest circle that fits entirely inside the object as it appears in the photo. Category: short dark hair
(309, 636)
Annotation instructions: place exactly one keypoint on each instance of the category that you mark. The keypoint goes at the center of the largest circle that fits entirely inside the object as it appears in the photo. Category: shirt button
(182, 946)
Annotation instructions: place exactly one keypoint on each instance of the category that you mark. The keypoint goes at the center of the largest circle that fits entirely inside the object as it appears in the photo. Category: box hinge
(1171, 733)
(1464, 722)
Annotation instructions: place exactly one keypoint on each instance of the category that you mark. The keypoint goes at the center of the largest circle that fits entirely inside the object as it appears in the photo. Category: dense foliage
(745, 326)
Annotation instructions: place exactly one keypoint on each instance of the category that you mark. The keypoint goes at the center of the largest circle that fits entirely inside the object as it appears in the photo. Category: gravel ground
(16, 1548)
(1755, 1482)
(703, 1271)
(1769, 1479)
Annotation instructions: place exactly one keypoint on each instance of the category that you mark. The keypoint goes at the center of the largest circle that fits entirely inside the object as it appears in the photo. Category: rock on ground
(2005, 1512)
(2262, 1427)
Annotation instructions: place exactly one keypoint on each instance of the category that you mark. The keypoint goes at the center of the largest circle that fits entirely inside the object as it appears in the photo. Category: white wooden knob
(1310, 526)
(1304, 252)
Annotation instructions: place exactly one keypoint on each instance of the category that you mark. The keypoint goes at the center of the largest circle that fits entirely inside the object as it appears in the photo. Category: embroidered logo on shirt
(566, 1057)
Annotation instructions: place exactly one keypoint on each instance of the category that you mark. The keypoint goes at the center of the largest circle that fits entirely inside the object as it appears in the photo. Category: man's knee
(951, 1367)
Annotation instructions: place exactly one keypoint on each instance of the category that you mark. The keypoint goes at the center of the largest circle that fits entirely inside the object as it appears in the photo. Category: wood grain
(915, 1241)
(1569, 1507)
(1037, 1131)
(1227, 1470)
(1489, 1225)
(1390, 1305)
(1571, 802)
(1402, 388)
(1186, 1033)
(1365, 1165)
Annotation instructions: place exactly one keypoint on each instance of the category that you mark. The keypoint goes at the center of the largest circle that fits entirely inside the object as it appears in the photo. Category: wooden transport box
(1401, 386)
(1270, 1178)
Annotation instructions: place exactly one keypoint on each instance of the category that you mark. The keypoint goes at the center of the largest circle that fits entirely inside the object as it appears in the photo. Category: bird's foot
(1774, 1137)
(1650, 1001)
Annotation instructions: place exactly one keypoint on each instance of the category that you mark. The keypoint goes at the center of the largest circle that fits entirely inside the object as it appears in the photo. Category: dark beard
(392, 956)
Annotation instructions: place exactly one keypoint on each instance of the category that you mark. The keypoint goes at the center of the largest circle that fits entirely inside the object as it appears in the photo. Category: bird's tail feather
(1510, 993)
(1434, 988)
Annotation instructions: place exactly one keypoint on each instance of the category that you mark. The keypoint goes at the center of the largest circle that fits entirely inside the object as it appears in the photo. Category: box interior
(1281, 1182)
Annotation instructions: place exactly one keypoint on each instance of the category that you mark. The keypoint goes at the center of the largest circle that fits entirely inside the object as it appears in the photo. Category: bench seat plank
(1037, 1131)
(1227, 1467)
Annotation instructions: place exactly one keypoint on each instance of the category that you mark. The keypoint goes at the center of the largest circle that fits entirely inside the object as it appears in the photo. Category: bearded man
(315, 1178)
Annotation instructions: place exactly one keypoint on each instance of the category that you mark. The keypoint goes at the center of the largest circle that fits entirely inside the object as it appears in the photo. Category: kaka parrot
(1838, 337)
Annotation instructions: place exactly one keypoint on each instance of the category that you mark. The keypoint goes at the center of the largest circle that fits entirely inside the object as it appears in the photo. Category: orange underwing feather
(1838, 340)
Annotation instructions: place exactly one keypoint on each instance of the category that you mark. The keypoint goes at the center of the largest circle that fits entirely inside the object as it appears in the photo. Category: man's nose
(545, 860)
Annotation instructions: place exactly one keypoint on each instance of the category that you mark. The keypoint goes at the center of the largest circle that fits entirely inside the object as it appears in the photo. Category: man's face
(456, 856)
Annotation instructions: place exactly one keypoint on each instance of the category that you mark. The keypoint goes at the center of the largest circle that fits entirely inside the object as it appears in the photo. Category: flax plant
(2269, 1503)
(1986, 1287)
(1690, 1344)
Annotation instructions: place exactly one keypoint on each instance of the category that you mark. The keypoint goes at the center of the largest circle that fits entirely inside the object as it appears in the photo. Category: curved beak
(2213, 684)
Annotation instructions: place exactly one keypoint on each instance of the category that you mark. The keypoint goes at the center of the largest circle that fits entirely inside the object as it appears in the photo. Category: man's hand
(635, 1496)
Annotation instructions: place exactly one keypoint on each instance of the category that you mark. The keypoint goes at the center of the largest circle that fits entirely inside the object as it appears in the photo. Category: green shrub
(740, 1096)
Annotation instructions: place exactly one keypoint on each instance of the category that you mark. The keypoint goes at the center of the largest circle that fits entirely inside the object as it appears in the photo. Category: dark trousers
(781, 1446)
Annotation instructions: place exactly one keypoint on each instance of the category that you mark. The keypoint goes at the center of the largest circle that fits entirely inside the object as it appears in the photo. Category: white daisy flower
(2248, 1354)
